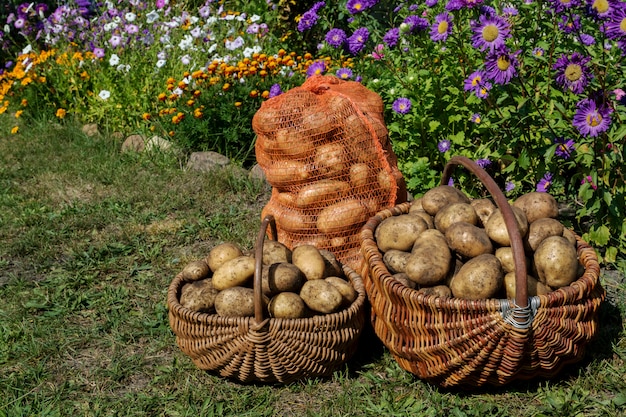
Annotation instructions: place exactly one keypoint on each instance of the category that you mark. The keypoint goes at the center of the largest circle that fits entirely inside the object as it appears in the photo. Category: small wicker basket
(261, 349)
(457, 342)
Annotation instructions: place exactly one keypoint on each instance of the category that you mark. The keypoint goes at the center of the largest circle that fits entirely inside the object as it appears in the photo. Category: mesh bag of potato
(325, 151)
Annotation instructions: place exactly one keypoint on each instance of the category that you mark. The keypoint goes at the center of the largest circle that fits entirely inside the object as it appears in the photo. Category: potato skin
(437, 291)
(199, 296)
(196, 270)
(496, 228)
(333, 267)
(222, 253)
(430, 220)
(540, 229)
(235, 302)
(404, 279)
(321, 296)
(430, 259)
(287, 305)
(309, 260)
(348, 293)
(556, 262)
(536, 205)
(436, 198)
(342, 216)
(399, 232)
(281, 277)
(396, 260)
(479, 278)
(320, 191)
(275, 252)
(468, 240)
(484, 208)
(534, 287)
(455, 212)
(234, 273)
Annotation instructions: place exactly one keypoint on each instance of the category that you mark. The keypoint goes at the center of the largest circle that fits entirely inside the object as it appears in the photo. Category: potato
(496, 228)
(359, 175)
(280, 277)
(287, 173)
(287, 305)
(436, 198)
(483, 207)
(404, 279)
(320, 192)
(540, 229)
(455, 212)
(348, 293)
(293, 220)
(330, 159)
(570, 236)
(233, 273)
(310, 261)
(385, 180)
(395, 260)
(236, 302)
(437, 291)
(286, 199)
(333, 267)
(430, 220)
(196, 270)
(199, 296)
(275, 252)
(416, 205)
(479, 278)
(468, 240)
(430, 259)
(534, 287)
(315, 123)
(505, 256)
(222, 253)
(321, 296)
(399, 232)
(537, 205)
(293, 144)
(342, 216)
(556, 262)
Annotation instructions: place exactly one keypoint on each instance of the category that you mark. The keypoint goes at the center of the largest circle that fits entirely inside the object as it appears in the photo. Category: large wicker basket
(458, 342)
(262, 349)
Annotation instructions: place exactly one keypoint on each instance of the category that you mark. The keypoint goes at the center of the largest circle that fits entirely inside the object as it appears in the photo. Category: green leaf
(433, 125)
(600, 235)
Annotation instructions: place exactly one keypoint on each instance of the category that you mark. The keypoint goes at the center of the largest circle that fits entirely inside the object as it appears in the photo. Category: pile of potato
(296, 283)
(453, 246)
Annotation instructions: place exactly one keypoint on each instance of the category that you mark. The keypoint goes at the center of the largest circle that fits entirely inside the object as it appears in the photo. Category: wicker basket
(457, 342)
(261, 349)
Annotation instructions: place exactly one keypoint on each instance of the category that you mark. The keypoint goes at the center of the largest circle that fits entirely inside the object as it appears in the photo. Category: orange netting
(325, 150)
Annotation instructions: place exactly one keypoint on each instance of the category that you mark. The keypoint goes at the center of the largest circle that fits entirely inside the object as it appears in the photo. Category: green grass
(91, 238)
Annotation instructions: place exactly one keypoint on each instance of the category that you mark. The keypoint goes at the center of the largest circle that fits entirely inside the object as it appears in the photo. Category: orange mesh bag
(325, 150)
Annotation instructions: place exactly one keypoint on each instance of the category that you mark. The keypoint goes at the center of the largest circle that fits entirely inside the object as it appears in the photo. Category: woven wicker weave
(260, 349)
(458, 342)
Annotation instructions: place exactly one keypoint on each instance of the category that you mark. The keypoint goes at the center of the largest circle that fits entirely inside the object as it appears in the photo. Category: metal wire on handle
(517, 246)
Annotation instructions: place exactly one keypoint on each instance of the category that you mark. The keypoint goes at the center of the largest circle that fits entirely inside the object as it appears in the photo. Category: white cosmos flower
(109, 26)
(152, 17)
(178, 92)
(255, 18)
(104, 94)
(124, 68)
(130, 17)
(160, 63)
(114, 60)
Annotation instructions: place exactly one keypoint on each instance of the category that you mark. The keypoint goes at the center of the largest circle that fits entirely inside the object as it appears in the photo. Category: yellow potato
(534, 287)
(222, 253)
(196, 270)
(496, 228)
(468, 240)
(236, 302)
(395, 260)
(455, 212)
(556, 262)
(233, 273)
(287, 305)
(342, 216)
(321, 296)
(430, 259)
(310, 261)
(281, 277)
(436, 198)
(437, 291)
(275, 252)
(483, 207)
(537, 205)
(359, 175)
(199, 296)
(333, 267)
(348, 293)
(399, 232)
(541, 229)
(479, 278)
(321, 191)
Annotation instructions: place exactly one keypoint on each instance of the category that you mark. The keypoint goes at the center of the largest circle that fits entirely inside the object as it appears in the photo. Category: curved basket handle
(517, 247)
(258, 265)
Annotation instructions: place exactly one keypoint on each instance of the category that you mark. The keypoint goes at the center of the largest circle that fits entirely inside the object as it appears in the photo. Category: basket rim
(575, 291)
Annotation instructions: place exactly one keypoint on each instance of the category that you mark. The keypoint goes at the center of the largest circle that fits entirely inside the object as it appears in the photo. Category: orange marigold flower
(281, 52)
(61, 113)
(84, 75)
(18, 113)
(262, 73)
(225, 87)
(197, 93)
(265, 94)
(308, 56)
(238, 103)
(146, 116)
(254, 93)
(191, 102)
(186, 74)
(162, 97)
(171, 133)
(15, 130)
(182, 85)
(262, 57)
(173, 97)
(24, 102)
(170, 81)
(197, 113)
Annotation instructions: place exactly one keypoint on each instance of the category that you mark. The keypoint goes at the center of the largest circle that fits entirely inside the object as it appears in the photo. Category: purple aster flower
(357, 6)
(344, 73)
(98, 52)
(476, 118)
(569, 25)
(358, 78)
(441, 28)
(431, 3)
(509, 186)
(444, 145)
(501, 66)
(591, 119)
(483, 163)
(483, 90)
(451, 182)
(416, 23)
(562, 5)
(275, 90)
(564, 147)
(545, 183)
(509, 11)
(357, 40)
(488, 10)
(469, 4)
(401, 105)
(615, 26)
(586, 39)
(490, 32)
(572, 73)
(316, 68)
(453, 5)
(336, 37)
(307, 21)
(391, 37)
(603, 9)
(538, 52)
(474, 81)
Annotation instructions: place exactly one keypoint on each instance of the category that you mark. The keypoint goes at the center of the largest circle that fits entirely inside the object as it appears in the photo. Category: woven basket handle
(258, 265)
(517, 247)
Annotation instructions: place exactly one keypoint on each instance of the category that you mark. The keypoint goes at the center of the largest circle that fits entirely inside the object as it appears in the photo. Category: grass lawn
(91, 238)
